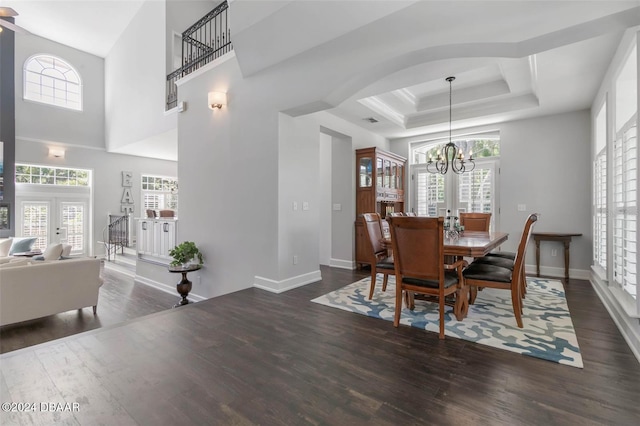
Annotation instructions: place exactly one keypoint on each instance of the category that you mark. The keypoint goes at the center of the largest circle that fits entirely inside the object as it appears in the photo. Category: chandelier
(450, 155)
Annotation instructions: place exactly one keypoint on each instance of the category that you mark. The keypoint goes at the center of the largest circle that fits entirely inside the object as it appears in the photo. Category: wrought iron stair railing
(117, 235)
(207, 39)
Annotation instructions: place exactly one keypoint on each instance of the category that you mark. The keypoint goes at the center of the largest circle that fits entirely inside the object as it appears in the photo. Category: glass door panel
(73, 224)
(35, 222)
(379, 172)
(365, 172)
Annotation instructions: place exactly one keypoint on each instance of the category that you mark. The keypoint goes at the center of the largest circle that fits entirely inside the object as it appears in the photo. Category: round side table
(184, 286)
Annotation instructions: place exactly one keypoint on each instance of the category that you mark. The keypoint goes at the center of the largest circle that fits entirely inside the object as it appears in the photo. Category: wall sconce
(217, 100)
(56, 152)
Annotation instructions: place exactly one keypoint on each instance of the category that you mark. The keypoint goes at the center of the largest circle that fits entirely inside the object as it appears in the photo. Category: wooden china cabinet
(379, 188)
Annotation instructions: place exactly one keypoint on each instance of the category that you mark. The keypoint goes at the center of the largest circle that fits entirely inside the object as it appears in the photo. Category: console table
(564, 238)
(184, 286)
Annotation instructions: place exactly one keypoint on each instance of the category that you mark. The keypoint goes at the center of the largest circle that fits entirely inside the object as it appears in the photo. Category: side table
(564, 238)
(184, 286)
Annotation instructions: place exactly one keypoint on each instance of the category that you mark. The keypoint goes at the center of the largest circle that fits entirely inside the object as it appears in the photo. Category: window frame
(26, 93)
(161, 192)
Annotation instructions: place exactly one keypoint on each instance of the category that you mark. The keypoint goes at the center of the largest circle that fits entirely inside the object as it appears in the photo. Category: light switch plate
(522, 207)
(337, 207)
(305, 205)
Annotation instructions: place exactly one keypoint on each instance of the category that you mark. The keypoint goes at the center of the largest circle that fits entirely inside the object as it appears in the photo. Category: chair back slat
(373, 232)
(522, 247)
(418, 246)
(475, 221)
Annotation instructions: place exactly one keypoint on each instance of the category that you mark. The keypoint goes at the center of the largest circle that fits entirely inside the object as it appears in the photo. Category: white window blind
(475, 190)
(625, 207)
(36, 223)
(73, 222)
(429, 189)
(600, 210)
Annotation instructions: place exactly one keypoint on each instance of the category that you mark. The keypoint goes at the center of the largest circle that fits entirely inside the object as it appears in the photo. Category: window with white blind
(600, 210)
(35, 223)
(472, 191)
(600, 191)
(625, 174)
(52, 81)
(159, 192)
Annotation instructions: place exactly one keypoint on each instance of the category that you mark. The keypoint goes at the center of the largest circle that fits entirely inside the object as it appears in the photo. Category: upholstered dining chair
(498, 272)
(380, 261)
(395, 214)
(418, 251)
(475, 221)
(412, 214)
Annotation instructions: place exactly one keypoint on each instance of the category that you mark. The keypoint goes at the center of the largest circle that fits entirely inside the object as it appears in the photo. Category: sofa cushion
(15, 263)
(21, 244)
(5, 246)
(66, 250)
(52, 252)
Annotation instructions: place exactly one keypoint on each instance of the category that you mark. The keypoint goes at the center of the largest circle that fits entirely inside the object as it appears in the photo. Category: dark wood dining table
(469, 243)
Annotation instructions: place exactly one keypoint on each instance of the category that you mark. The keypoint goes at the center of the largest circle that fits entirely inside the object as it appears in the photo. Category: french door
(434, 194)
(54, 220)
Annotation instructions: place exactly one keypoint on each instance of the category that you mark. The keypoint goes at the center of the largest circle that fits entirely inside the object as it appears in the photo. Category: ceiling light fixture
(450, 155)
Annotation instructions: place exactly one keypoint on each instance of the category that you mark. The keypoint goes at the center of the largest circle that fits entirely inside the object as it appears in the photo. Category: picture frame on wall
(5, 218)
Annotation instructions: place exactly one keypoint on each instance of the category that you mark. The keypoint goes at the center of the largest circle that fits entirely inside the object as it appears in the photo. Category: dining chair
(395, 214)
(380, 261)
(418, 251)
(411, 214)
(475, 221)
(482, 273)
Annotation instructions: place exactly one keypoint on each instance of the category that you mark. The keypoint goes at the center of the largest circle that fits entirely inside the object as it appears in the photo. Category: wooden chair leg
(384, 282)
(372, 286)
(396, 316)
(516, 302)
(441, 308)
(473, 293)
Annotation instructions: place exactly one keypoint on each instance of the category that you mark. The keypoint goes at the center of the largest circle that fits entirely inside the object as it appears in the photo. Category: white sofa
(32, 289)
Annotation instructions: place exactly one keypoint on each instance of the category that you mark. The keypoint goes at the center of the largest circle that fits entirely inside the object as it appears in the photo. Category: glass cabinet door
(365, 172)
(387, 173)
(394, 175)
(400, 177)
(379, 172)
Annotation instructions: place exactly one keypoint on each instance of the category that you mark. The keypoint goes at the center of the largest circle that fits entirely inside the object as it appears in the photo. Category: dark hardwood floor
(120, 300)
(253, 357)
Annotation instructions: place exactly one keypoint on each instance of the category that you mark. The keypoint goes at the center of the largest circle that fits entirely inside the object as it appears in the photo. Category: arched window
(51, 80)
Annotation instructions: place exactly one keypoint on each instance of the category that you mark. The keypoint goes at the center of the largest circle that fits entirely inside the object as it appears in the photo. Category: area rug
(548, 331)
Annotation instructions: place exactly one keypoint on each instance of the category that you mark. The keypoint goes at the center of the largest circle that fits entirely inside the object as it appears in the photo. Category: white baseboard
(342, 264)
(629, 327)
(579, 274)
(166, 288)
(288, 284)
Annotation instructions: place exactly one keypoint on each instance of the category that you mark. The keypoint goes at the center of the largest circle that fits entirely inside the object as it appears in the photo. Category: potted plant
(184, 254)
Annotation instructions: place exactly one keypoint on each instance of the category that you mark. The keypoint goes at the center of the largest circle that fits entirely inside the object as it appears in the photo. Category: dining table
(467, 244)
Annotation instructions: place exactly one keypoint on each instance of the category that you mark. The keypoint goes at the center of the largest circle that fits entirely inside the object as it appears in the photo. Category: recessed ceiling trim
(474, 110)
(468, 94)
(407, 97)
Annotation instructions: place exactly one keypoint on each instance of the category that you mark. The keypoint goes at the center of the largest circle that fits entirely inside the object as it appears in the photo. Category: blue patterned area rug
(548, 331)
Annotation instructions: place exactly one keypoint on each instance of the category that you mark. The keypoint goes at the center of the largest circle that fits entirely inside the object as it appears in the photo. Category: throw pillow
(66, 250)
(37, 258)
(52, 252)
(5, 246)
(22, 244)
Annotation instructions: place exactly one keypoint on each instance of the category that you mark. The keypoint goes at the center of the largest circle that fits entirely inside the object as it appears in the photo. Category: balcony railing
(204, 41)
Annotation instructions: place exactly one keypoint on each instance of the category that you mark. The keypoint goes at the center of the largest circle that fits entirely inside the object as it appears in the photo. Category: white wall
(545, 164)
(325, 199)
(41, 122)
(107, 178)
(135, 81)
